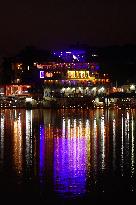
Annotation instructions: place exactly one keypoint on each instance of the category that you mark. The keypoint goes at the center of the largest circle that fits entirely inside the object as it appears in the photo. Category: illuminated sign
(49, 75)
(39, 66)
(78, 74)
(42, 74)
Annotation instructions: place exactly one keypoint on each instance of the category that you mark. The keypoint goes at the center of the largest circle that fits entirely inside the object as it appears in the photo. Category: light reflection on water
(71, 157)
(2, 119)
(70, 152)
(17, 145)
(28, 149)
(132, 148)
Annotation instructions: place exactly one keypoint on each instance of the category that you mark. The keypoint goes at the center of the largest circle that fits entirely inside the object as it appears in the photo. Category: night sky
(57, 24)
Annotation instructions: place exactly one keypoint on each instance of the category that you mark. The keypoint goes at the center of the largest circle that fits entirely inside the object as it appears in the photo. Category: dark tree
(6, 71)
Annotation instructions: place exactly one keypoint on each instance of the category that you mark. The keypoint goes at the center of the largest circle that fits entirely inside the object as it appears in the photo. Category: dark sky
(59, 23)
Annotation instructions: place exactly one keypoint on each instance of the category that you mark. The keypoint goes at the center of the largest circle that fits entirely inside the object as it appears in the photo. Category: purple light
(72, 55)
(42, 151)
(42, 74)
(70, 160)
(97, 67)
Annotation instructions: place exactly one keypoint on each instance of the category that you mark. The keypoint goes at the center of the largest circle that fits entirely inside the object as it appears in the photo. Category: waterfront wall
(71, 102)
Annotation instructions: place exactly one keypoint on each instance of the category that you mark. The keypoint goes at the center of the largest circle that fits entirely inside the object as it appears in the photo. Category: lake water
(67, 156)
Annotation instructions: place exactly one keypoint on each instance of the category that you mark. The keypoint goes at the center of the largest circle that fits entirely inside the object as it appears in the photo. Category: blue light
(42, 74)
(71, 55)
(42, 151)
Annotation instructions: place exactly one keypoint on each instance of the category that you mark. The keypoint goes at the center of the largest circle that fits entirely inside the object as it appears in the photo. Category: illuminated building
(72, 75)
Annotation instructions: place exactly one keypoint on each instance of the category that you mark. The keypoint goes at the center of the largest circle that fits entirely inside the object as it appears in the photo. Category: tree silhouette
(6, 71)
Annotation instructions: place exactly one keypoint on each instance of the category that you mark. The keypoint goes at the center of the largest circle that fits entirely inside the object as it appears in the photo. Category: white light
(94, 89)
(132, 87)
(101, 89)
(28, 99)
(75, 58)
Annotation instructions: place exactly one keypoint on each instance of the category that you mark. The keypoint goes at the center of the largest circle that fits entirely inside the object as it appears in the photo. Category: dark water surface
(67, 156)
